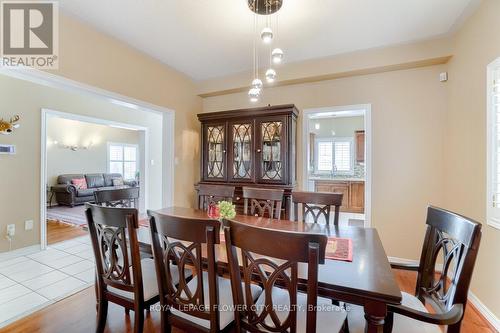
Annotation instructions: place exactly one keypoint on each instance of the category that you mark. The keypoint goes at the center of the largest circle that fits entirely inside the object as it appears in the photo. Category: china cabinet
(250, 147)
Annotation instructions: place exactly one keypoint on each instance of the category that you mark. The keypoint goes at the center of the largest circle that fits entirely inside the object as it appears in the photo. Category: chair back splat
(271, 258)
(316, 205)
(179, 246)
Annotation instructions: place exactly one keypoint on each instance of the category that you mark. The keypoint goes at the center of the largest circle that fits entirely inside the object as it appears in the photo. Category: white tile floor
(31, 279)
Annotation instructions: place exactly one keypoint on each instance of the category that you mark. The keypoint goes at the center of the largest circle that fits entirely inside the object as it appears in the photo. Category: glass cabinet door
(271, 151)
(242, 147)
(215, 151)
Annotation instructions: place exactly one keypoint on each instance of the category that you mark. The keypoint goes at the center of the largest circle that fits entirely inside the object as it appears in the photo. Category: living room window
(122, 158)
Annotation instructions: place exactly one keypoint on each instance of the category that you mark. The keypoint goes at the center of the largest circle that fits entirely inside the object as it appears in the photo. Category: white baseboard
(490, 316)
(483, 309)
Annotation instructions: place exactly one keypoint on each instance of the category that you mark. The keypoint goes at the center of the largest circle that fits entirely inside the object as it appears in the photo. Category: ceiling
(213, 38)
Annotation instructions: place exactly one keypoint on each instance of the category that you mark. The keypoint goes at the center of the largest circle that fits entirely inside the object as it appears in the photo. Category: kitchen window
(335, 155)
(493, 144)
(122, 159)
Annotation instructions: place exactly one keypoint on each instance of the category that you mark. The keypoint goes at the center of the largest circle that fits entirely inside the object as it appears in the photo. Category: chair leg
(165, 326)
(389, 321)
(102, 314)
(138, 320)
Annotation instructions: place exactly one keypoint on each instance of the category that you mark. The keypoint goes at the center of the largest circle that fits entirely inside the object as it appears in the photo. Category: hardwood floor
(58, 232)
(77, 314)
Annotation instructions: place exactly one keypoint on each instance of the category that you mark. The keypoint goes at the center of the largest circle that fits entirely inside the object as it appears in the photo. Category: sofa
(69, 195)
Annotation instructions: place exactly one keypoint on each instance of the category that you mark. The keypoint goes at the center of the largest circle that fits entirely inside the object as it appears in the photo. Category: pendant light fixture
(267, 37)
(277, 55)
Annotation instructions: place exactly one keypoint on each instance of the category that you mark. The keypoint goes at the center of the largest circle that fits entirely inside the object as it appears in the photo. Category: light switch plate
(11, 230)
(28, 225)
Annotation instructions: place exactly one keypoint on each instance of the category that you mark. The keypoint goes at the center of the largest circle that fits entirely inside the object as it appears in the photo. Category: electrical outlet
(11, 230)
(28, 225)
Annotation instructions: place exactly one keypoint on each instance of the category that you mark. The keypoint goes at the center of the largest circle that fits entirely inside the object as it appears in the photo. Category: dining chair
(262, 202)
(124, 197)
(191, 305)
(316, 205)
(273, 259)
(122, 277)
(442, 283)
(208, 194)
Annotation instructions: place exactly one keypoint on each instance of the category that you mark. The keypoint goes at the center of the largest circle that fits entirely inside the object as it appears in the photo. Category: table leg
(375, 314)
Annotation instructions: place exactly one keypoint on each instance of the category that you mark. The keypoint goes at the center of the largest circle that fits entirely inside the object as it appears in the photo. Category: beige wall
(408, 117)
(99, 60)
(382, 59)
(476, 45)
(61, 160)
(20, 183)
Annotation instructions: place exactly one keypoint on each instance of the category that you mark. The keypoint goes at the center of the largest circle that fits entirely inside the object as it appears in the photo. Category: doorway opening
(84, 155)
(337, 158)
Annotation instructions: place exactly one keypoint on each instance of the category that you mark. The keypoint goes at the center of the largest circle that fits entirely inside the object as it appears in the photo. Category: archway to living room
(85, 155)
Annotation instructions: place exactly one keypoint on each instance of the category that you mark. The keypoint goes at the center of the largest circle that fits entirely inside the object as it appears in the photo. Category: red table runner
(339, 249)
(336, 248)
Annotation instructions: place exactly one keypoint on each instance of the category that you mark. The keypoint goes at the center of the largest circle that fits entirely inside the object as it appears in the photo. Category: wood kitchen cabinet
(250, 147)
(359, 137)
(353, 200)
(357, 197)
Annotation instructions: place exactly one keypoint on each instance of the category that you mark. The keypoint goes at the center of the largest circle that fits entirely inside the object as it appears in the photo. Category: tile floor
(31, 279)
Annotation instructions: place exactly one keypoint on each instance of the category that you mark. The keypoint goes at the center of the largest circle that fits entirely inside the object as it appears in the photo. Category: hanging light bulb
(270, 75)
(277, 55)
(257, 84)
(254, 95)
(266, 35)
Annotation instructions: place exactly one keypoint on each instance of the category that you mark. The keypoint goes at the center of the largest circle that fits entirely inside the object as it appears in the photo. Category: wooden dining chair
(316, 205)
(202, 304)
(124, 197)
(208, 194)
(262, 202)
(122, 277)
(273, 259)
(455, 240)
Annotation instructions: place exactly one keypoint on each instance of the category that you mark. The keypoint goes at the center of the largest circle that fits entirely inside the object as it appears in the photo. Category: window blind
(342, 155)
(325, 156)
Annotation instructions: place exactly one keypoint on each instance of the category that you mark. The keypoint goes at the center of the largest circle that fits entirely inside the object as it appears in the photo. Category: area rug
(72, 215)
(76, 215)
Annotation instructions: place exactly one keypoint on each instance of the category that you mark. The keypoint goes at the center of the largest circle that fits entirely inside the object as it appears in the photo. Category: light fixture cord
(255, 56)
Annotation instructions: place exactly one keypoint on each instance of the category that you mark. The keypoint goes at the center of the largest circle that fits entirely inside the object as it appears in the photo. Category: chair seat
(402, 324)
(329, 318)
(149, 282)
(226, 315)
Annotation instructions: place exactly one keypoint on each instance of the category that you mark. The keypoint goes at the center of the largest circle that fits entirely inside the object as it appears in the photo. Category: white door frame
(168, 144)
(367, 108)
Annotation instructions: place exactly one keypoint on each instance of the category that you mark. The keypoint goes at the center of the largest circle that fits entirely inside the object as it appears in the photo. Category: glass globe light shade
(277, 55)
(254, 95)
(266, 35)
(257, 84)
(270, 75)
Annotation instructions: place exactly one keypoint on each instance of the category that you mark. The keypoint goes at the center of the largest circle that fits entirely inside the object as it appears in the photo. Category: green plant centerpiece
(226, 210)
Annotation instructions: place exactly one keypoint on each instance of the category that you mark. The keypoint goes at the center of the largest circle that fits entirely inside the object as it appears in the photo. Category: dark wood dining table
(367, 280)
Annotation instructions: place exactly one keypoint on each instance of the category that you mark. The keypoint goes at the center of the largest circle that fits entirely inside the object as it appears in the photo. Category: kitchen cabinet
(250, 147)
(353, 200)
(359, 137)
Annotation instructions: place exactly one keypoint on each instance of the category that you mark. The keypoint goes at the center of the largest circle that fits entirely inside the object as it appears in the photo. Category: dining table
(367, 280)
